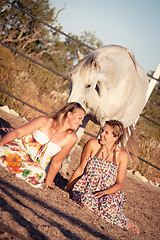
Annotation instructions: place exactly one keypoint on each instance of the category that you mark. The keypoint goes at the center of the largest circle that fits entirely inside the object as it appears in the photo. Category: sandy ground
(34, 214)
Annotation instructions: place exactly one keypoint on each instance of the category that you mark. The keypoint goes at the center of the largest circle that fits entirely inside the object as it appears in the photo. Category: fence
(152, 82)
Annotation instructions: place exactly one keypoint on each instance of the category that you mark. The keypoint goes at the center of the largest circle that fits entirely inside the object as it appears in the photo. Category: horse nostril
(88, 86)
(97, 88)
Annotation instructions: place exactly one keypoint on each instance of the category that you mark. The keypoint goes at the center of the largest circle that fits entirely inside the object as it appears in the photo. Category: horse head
(109, 84)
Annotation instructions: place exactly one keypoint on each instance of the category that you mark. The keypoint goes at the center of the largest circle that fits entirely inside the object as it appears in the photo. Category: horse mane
(86, 62)
(131, 55)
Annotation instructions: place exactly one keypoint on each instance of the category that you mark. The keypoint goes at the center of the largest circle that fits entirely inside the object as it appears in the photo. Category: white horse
(109, 84)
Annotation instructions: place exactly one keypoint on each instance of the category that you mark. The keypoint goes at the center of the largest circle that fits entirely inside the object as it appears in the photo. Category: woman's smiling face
(76, 119)
(106, 135)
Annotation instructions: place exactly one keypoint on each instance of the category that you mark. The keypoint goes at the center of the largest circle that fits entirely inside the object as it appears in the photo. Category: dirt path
(34, 214)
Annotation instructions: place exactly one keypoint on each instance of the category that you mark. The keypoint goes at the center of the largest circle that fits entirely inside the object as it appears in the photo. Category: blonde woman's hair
(61, 115)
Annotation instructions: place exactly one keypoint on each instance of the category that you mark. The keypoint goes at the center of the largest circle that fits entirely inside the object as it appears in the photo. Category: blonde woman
(27, 150)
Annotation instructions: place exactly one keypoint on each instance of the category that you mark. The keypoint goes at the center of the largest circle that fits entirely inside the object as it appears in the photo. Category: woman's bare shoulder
(72, 137)
(122, 154)
(43, 119)
(44, 122)
(93, 142)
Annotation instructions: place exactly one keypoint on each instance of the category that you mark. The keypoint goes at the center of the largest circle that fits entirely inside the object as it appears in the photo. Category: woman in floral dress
(97, 183)
(28, 150)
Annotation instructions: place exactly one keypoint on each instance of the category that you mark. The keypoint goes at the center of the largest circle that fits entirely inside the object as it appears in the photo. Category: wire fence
(59, 74)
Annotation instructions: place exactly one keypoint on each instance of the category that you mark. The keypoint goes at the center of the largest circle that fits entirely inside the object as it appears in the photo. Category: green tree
(20, 30)
(44, 44)
(31, 37)
(86, 37)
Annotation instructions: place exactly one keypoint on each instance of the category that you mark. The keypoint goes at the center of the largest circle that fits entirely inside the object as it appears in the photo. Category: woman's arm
(24, 130)
(123, 163)
(58, 159)
(86, 153)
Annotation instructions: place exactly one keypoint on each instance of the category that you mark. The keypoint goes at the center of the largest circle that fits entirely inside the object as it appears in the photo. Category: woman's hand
(100, 194)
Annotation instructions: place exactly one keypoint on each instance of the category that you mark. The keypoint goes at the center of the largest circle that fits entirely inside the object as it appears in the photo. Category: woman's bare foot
(133, 227)
(48, 186)
(51, 186)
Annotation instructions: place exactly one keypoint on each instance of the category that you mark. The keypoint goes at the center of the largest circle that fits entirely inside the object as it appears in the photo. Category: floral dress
(99, 175)
(28, 157)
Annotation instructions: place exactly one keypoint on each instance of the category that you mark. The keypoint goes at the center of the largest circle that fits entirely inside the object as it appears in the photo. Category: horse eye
(88, 86)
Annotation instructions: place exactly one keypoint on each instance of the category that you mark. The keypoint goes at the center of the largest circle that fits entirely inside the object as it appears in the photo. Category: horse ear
(95, 64)
(79, 55)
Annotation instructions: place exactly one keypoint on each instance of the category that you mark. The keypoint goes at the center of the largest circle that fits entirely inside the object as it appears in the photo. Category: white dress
(28, 157)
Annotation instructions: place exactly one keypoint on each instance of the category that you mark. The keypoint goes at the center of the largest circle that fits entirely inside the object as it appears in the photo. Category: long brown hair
(61, 115)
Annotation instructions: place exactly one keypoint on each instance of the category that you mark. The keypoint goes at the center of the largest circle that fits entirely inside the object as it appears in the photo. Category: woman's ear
(115, 139)
(69, 114)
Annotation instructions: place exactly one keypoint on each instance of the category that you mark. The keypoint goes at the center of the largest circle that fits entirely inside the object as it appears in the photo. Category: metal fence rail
(18, 99)
(90, 134)
(34, 61)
